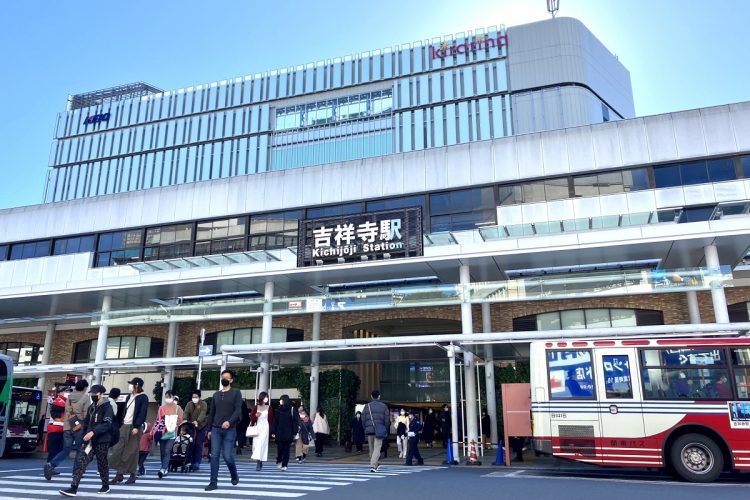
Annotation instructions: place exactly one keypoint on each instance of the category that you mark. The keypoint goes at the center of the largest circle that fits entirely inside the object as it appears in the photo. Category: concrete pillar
(470, 379)
(314, 369)
(693, 309)
(454, 401)
(101, 342)
(721, 314)
(265, 364)
(489, 374)
(48, 336)
(171, 353)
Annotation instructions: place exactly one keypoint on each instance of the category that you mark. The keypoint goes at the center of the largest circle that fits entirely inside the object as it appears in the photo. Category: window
(29, 250)
(510, 195)
(556, 189)
(745, 167)
(221, 236)
(741, 362)
(617, 381)
(721, 169)
(169, 242)
(694, 173)
(119, 248)
(635, 179)
(587, 318)
(76, 244)
(666, 176)
(275, 230)
(251, 336)
(570, 375)
(462, 209)
(3, 252)
(23, 353)
(127, 347)
(696, 214)
(334, 210)
(533, 192)
(694, 373)
(393, 203)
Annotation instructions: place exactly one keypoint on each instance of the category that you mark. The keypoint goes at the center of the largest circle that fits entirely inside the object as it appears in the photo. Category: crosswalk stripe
(194, 479)
(113, 494)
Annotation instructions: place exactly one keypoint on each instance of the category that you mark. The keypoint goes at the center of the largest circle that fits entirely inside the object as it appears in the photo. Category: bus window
(693, 373)
(617, 381)
(570, 374)
(741, 361)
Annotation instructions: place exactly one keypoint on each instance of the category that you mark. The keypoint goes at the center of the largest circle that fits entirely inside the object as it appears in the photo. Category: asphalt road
(22, 479)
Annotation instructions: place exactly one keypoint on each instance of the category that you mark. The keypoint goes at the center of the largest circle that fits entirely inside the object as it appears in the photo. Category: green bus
(20, 409)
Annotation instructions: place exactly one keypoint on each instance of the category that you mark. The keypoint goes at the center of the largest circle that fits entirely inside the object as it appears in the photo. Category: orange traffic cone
(473, 458)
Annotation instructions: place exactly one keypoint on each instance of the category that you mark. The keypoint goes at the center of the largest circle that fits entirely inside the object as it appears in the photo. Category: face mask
(225, 382)
(95, 398)
(359, 416)
(130, 387)
(430, 411)
(169, 400)
(403, 413)
(196, 400)
(265, 401)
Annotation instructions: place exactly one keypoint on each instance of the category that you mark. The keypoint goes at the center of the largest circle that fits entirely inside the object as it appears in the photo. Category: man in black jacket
(285, 426)
(98, 432)
(126, 452)
(375, 415)
(223, 418)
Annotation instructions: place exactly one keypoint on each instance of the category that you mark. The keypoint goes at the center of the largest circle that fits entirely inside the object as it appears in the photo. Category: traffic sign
(205, 350)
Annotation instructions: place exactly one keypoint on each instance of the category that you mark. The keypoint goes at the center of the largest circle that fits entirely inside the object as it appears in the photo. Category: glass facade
(417, 96)
(126, 347)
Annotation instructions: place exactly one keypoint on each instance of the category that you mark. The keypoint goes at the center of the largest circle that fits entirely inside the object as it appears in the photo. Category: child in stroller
(181, 456)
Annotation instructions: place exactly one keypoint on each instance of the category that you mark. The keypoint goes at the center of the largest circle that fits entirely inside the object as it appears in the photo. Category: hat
(59, 402)
(97, 389)
(136, 381)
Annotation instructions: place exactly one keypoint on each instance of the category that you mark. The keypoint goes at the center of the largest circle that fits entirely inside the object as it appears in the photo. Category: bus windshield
(25, 405)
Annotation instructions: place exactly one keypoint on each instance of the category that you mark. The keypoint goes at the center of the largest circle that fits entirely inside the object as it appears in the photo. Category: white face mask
(130, 387)
(265, 401)
(403, 413)
(196, 400)
(169, 400)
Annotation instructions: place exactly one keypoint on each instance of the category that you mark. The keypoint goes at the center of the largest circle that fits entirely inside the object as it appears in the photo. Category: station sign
(388, 234)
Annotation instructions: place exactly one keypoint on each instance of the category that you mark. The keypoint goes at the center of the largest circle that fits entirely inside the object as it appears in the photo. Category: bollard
(449, 460)
(500, 458)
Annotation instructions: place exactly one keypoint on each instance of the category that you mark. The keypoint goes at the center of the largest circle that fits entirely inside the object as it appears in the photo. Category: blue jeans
(166, 452)
(71, 441)
(222, 442)
(200, 438)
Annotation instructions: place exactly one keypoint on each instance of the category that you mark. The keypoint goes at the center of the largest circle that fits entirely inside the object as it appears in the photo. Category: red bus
(678, 404)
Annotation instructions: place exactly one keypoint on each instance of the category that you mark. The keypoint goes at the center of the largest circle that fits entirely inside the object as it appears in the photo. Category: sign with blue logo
(205, 350)
(92, 119)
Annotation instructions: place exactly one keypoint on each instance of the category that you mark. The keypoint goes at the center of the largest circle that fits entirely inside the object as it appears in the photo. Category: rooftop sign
(480, 42)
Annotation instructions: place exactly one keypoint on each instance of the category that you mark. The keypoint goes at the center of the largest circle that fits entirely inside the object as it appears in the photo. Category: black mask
(95, 398)
(225, 382)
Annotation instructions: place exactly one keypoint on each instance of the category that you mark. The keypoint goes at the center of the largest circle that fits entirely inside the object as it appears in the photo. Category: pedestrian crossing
(270, 483)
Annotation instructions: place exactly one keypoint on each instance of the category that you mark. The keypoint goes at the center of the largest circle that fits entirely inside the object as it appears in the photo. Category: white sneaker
(284, 469)
(279, 466)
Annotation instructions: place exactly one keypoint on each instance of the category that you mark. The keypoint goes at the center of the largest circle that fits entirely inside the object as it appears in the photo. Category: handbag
(252, 431)
(381, 431)
(158, 431)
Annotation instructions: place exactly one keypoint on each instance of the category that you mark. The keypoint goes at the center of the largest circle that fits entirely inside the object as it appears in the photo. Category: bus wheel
(696, 458)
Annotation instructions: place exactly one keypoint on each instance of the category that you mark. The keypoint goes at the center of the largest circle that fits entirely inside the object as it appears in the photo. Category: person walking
(321, 428)
(283, 429)
(223, 418)
(144, 448)
(76, 409)
(486, 425)
(196, 412)
(242, 427)
(169, 415)
(428, 433)
(55, 428)
(262, 417)
(358, 432)
(401, 427)
(415, 426)
(444, 421)
(305, 434)
(375, 420)
(98, 432)
(125, 453)
(112, 397)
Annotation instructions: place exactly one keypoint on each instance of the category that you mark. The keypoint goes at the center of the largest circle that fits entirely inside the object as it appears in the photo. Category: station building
(495, 180)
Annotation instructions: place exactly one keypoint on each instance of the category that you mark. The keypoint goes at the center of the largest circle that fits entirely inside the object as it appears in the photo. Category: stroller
(181, 455)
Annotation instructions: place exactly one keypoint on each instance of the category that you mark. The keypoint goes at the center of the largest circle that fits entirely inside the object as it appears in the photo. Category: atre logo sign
(92, 119)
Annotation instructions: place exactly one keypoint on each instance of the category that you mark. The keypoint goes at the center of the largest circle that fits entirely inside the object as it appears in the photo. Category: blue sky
(681, 54)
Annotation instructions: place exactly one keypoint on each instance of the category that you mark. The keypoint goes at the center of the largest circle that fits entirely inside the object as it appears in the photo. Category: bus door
(620, 409)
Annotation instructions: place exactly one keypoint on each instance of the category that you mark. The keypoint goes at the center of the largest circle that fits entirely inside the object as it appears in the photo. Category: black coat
(285, 424)
(445, 422)
(100, 420)
(358, 431)
(430, 422)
